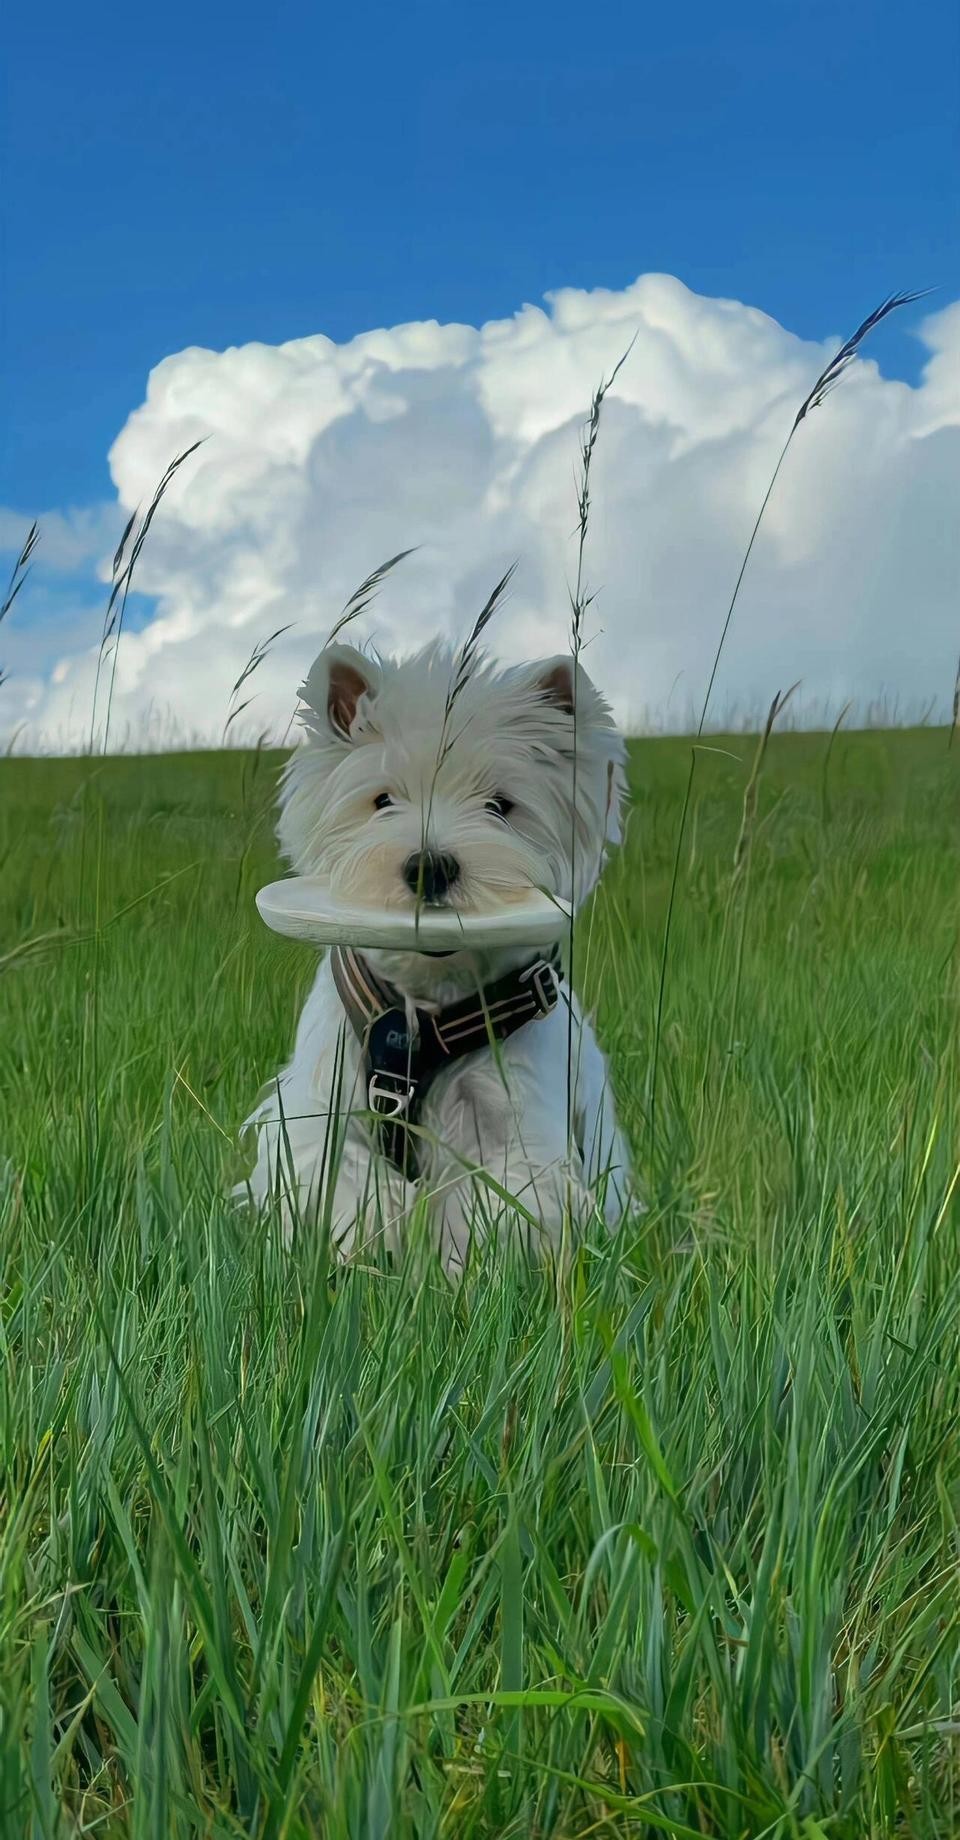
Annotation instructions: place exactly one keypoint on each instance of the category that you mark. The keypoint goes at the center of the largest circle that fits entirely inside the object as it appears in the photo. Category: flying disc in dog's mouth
(303, 907)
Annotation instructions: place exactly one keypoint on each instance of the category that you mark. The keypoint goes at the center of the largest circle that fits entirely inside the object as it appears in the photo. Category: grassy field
(667, 1547)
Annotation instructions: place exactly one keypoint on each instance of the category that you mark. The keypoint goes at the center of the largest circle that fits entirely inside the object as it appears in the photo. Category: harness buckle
(389, 1095)
(544, 984)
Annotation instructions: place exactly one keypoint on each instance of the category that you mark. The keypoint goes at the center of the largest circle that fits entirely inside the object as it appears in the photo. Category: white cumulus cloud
(320, 460)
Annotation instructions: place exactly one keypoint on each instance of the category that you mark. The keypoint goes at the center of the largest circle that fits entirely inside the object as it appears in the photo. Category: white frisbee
(303, 907)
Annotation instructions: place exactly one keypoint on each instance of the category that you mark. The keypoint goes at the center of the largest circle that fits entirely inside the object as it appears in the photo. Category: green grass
(668, 1546)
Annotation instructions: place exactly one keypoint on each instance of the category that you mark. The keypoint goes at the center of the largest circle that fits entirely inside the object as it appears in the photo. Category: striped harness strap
(401, 1059)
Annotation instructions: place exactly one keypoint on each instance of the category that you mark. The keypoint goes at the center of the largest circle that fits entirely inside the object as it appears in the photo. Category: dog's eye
(499, 807)
(382, 801)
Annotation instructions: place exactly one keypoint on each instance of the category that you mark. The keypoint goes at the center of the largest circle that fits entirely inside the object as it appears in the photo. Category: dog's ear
(555, 682)
(564, 685)
(339, 693)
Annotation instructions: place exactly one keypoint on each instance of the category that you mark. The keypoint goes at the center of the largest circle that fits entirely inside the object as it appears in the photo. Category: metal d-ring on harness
(402, 1057)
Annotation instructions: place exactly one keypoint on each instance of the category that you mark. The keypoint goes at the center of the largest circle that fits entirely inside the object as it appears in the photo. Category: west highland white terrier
(445, 1075)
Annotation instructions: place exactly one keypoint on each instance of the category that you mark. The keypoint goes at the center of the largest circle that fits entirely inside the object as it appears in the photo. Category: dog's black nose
(431, 874)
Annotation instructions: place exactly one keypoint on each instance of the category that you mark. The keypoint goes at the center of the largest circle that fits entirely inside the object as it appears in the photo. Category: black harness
(401, 1060)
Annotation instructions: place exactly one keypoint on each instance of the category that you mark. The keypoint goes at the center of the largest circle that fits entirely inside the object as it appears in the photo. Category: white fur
(382, 727)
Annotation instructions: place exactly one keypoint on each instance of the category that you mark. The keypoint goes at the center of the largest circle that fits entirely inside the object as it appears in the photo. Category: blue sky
(204, 176)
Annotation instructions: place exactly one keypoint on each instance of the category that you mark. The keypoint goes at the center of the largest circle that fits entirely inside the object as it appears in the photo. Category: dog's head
(398, 798)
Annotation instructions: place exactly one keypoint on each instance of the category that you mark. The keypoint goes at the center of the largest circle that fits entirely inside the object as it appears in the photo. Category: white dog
(398, 799)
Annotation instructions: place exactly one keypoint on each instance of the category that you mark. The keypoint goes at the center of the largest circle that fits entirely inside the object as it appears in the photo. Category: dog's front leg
(528, 1206)
(498, 1165)
(317, 1183)
(602, 1146)
(367, 1202)
(315, 1161)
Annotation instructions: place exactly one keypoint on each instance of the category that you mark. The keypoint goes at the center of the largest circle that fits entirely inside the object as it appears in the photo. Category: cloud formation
(322, 459)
